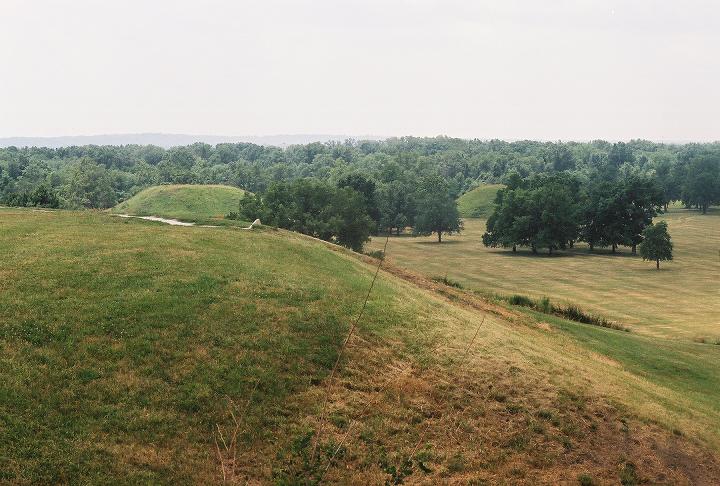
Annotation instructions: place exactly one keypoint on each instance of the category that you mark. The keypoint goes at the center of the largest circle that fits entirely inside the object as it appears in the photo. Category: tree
(642, 197)
(350, 224)
(554, 210)
(656, 244)
(437, 210)
(507, 227)
(366, 187)
(702, 185)
(89, 186)
(540, 212)
(313, 208)
(396, 203)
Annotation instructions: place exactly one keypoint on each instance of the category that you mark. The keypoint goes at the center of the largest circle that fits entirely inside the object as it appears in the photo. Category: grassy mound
(183, 202)
(478, 203)
(139, 353)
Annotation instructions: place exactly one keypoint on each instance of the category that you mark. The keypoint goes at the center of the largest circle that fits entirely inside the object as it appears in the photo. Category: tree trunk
(614, 246)
(666, 207)
(571, 244)
(439, 236)
(704, 208)
(514, 248)
(634, 249)
(549, 250)
(592, 246)
(534, 249)
(398, 231)
(657, 264)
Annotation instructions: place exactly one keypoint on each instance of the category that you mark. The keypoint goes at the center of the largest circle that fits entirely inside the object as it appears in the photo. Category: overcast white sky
(537, 69)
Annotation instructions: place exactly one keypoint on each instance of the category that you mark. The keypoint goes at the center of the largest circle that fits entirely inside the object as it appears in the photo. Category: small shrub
(456, 463)
(521, 300)
(544, 305)
(628, 475)
(377, 254)
(585, 480)
(446, 281)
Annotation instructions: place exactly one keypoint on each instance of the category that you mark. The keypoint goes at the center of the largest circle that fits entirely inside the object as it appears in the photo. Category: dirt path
(172, 222)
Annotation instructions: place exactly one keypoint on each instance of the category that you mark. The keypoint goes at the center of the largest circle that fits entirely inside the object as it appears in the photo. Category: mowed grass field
(185, 202)
(681, 300)
(128, 346)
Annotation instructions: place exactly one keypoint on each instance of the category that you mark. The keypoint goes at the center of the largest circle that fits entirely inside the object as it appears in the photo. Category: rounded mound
(478, 203)
(183, 202)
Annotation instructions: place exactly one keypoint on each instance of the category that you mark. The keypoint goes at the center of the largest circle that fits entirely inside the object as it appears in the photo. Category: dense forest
(403, 182)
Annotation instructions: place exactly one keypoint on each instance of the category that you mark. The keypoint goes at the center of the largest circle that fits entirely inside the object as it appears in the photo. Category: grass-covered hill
(134, 352)
(184, 202)
(478, 202)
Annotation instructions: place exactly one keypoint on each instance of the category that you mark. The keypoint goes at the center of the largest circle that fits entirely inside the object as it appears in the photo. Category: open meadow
(681, 300)
(131, 350)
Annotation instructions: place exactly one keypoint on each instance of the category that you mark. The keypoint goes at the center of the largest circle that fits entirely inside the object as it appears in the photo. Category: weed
(586, 480)
(377, 254)
(446, 281)
(456, 463)
(628, 475)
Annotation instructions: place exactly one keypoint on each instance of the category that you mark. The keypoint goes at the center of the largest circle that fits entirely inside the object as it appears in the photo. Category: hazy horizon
(537, 70)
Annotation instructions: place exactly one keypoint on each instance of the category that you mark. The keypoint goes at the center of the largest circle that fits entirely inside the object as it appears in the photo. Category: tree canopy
(656, 245)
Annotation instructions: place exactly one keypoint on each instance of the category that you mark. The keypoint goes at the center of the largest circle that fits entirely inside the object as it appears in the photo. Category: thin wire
(342, 351)
(459, 366)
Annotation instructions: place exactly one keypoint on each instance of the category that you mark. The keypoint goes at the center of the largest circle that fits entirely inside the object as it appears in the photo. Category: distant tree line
(100, 176)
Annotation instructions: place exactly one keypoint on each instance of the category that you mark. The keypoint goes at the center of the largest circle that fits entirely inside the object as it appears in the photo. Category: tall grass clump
(446, 281)
(570, 311)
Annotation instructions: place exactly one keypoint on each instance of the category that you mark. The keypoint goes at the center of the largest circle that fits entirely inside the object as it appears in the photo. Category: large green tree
(642, 197)
(656, 245)
(540, 212)
(437, 210)
(702, 183)
(89, 185)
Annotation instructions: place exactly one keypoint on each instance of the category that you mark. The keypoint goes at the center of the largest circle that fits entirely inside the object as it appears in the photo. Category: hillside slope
(183, 201)
(478, 202)
(134, 352)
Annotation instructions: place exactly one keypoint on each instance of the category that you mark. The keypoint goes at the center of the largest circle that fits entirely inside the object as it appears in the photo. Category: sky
(509, 69)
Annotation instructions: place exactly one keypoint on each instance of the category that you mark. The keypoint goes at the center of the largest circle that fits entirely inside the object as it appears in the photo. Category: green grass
(691, 369)
(126, 343)
(681, 300)
(183, 202)
(478, 202)
(121, 336)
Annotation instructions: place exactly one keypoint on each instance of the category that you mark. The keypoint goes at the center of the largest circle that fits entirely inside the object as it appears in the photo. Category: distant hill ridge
(167, 140)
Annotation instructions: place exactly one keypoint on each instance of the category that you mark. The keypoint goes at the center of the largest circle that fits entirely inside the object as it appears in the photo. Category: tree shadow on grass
(529, 254)
(578, 252)
(449, 242)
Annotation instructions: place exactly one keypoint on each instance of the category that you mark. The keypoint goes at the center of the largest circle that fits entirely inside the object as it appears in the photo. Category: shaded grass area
(206, 204)
(121, 340)
(682, 300)
(478, 202)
